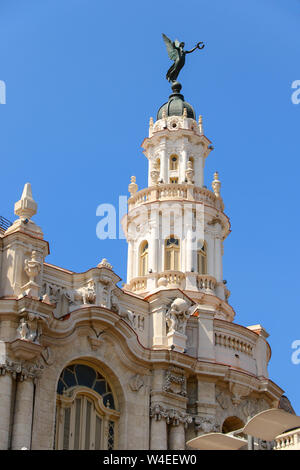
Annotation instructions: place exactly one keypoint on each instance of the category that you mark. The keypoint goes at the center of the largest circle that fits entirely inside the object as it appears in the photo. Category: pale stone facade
(87, 364)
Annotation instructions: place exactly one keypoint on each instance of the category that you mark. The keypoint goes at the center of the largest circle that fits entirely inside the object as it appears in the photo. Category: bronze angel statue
(177, 53)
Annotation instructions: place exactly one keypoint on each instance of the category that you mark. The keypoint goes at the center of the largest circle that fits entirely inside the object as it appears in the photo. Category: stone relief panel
(172, 416)
(136, 383)
(244, 407)
(205, 424)
(175, 381)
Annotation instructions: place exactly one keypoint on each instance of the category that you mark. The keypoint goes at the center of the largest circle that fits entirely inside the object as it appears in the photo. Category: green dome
(176, 104)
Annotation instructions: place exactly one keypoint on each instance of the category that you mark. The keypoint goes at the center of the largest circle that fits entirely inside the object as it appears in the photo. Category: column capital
(171, 415)
(21, 371)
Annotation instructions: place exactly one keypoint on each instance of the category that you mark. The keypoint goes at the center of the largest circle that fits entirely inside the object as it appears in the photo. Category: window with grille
(172, 252)
(143, 270)
(85, 416)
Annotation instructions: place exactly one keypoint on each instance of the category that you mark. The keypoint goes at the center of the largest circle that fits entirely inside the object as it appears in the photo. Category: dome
(176, 104)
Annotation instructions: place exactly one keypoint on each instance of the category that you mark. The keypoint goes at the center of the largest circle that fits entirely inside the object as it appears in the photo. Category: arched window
(172, 252)
(201, 258)
(85, 414)
(173, 162)
(143, 269)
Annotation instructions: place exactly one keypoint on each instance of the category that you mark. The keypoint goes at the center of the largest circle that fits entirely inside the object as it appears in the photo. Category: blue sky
(84, 76)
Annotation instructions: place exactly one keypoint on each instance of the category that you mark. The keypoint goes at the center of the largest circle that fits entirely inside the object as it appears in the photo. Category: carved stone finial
(200, 125)
(104, 263)
(216, 184)
(132, 187)
(164, 115)
(151, 123)
(26, 207)
(184, 112)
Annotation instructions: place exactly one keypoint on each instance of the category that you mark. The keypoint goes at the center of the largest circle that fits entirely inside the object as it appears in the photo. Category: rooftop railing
(4, 224)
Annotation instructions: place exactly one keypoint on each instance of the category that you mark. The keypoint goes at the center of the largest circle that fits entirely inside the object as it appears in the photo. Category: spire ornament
(132, 187)
(200, 125)
(26, 207)
(177, 53)
(216, 184)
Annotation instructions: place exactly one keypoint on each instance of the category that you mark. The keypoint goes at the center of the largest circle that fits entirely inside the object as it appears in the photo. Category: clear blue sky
(84, 76)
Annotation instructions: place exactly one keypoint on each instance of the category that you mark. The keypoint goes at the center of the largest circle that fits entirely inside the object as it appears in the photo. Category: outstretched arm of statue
(199, 45)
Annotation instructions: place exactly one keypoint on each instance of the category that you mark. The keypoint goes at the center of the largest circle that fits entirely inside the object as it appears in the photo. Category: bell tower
(176, 226)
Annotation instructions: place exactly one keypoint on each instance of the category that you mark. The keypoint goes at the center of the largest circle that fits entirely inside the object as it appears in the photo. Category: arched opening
(201, 257)
(143, 262)
(173, 162)
(172, 253)
(86, 410)
(232, 423)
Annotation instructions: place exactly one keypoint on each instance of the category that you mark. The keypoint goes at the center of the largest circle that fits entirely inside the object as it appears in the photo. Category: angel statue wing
(172, 51)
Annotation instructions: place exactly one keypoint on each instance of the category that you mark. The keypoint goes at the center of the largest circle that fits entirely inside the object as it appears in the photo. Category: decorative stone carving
(31, 371)
(206, 424)
(32, 267)
(251, 407)
(127, 314)
(114, 303)
(48, 356)
(136, 382)
(95, 343)
(22, 371)
(29, 330)
(132, 187)
(172, 416)
(83, 295)
(177, 316)
(155, 174)
(10, 367)
(216, 184)
(175, 381)
(238, 391)
(105, 264)
(135, 320)
(224, 400)
(189, 172)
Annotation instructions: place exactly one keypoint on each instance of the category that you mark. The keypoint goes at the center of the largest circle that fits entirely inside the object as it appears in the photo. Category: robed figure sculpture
(177, 53)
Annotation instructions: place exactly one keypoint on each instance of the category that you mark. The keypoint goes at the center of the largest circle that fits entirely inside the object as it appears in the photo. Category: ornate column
(218, 258)
(183, 165)
(164, 163)
(158, 430)
(153, 241)
(21, 434)
(210, 254)
(130, 260)
(6, 391)
(177, 437)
